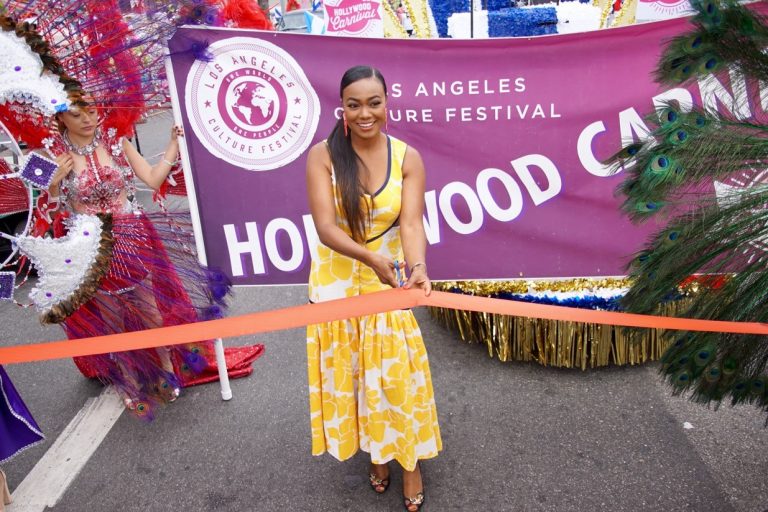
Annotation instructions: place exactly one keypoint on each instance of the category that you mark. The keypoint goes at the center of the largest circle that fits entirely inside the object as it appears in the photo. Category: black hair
(346, 162)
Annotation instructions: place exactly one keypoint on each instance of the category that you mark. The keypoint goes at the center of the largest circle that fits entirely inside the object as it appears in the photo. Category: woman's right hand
(66, 163)
(384, 268)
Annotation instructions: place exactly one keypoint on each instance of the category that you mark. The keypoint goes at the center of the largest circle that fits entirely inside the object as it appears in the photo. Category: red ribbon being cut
(297, 316)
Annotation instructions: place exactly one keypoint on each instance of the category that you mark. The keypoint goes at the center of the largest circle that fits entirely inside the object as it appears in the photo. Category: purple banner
(511, 132)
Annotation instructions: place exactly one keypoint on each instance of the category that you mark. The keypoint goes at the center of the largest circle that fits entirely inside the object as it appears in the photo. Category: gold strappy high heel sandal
(379, 485)
(416, 501)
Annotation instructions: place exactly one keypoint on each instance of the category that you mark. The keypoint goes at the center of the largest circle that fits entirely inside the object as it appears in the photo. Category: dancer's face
(81, 122)
(365, 107)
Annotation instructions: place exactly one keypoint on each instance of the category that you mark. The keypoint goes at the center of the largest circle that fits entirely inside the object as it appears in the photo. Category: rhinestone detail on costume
(99, 191)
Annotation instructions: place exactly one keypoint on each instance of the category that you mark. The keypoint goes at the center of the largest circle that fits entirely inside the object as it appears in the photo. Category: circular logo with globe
(669, 7)
(252, 105)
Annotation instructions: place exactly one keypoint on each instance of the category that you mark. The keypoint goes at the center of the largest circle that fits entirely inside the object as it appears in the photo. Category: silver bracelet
(169, 163)
(421, 263)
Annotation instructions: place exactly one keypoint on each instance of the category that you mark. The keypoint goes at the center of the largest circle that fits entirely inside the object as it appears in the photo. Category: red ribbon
(389, 300)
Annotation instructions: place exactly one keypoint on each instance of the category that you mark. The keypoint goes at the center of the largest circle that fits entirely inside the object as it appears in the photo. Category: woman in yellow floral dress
(369, 381)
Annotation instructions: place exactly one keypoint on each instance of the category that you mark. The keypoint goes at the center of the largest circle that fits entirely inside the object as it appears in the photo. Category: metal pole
(472, 19)
(218, 345)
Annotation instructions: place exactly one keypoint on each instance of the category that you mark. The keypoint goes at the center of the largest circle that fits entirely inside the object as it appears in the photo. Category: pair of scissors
(399, 274)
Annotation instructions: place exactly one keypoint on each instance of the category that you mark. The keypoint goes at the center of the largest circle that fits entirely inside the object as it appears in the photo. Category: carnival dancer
(151, 278)
(114, 268)
(369, 379)
(18, 430)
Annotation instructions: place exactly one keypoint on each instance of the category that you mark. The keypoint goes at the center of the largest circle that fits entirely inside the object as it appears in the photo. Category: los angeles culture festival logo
(252, 105)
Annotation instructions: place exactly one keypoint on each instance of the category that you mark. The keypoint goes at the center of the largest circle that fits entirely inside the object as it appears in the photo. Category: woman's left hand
(419, 279)
(176, 132)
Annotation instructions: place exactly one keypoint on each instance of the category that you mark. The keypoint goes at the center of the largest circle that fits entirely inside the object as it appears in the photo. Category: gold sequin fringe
(552, 342)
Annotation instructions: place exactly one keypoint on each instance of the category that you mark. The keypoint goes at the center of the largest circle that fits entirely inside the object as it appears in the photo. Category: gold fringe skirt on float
(551, 342)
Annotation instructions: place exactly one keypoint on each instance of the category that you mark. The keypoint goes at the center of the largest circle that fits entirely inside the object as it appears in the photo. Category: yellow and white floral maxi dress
(369, 380)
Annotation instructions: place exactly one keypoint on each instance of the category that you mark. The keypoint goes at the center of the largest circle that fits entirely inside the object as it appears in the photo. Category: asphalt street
(517, 437)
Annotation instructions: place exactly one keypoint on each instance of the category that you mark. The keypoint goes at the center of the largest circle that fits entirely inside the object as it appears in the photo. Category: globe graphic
(251, 103)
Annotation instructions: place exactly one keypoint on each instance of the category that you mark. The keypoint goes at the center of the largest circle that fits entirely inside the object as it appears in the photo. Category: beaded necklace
(88, 151)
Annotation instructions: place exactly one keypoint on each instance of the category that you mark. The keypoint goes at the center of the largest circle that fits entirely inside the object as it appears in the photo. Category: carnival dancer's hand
(384, 268)
(66, 164)
(176, 132)
(419, 279)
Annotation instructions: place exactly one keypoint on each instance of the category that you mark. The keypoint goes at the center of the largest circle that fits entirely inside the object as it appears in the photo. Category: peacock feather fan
(726, 33)
(701, 175)
(724, 238)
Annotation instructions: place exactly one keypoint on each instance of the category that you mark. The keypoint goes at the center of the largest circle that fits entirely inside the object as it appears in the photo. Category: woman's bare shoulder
(318, 157)
(412, 160)
(319, 151)
(412, 152)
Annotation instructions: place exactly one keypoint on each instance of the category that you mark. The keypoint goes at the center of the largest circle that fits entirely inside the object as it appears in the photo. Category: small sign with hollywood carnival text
(360, 18)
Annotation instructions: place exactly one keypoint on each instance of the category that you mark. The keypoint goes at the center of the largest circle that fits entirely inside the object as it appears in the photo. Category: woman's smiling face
(365, 107)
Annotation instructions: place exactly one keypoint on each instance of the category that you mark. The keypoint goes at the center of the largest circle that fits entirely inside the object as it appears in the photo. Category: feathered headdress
(55, 55)
(93, 47)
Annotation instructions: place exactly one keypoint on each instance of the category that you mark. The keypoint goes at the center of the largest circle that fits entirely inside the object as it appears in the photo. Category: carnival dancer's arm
(154, 176)
(323, 209)
(411, 224)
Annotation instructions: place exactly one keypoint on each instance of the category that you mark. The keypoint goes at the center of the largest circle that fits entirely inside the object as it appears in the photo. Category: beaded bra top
(99, 188)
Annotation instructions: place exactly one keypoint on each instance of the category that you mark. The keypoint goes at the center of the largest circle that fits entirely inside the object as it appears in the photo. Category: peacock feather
(701, 175)
(686, 151)
(725, 33)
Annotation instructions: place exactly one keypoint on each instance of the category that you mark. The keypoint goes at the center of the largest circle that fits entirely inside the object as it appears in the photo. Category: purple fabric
(38, 171)
(18, 429)
(7, 282)
(154, 280)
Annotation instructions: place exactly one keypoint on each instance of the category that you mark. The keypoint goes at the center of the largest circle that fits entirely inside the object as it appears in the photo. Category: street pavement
(517, 436)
